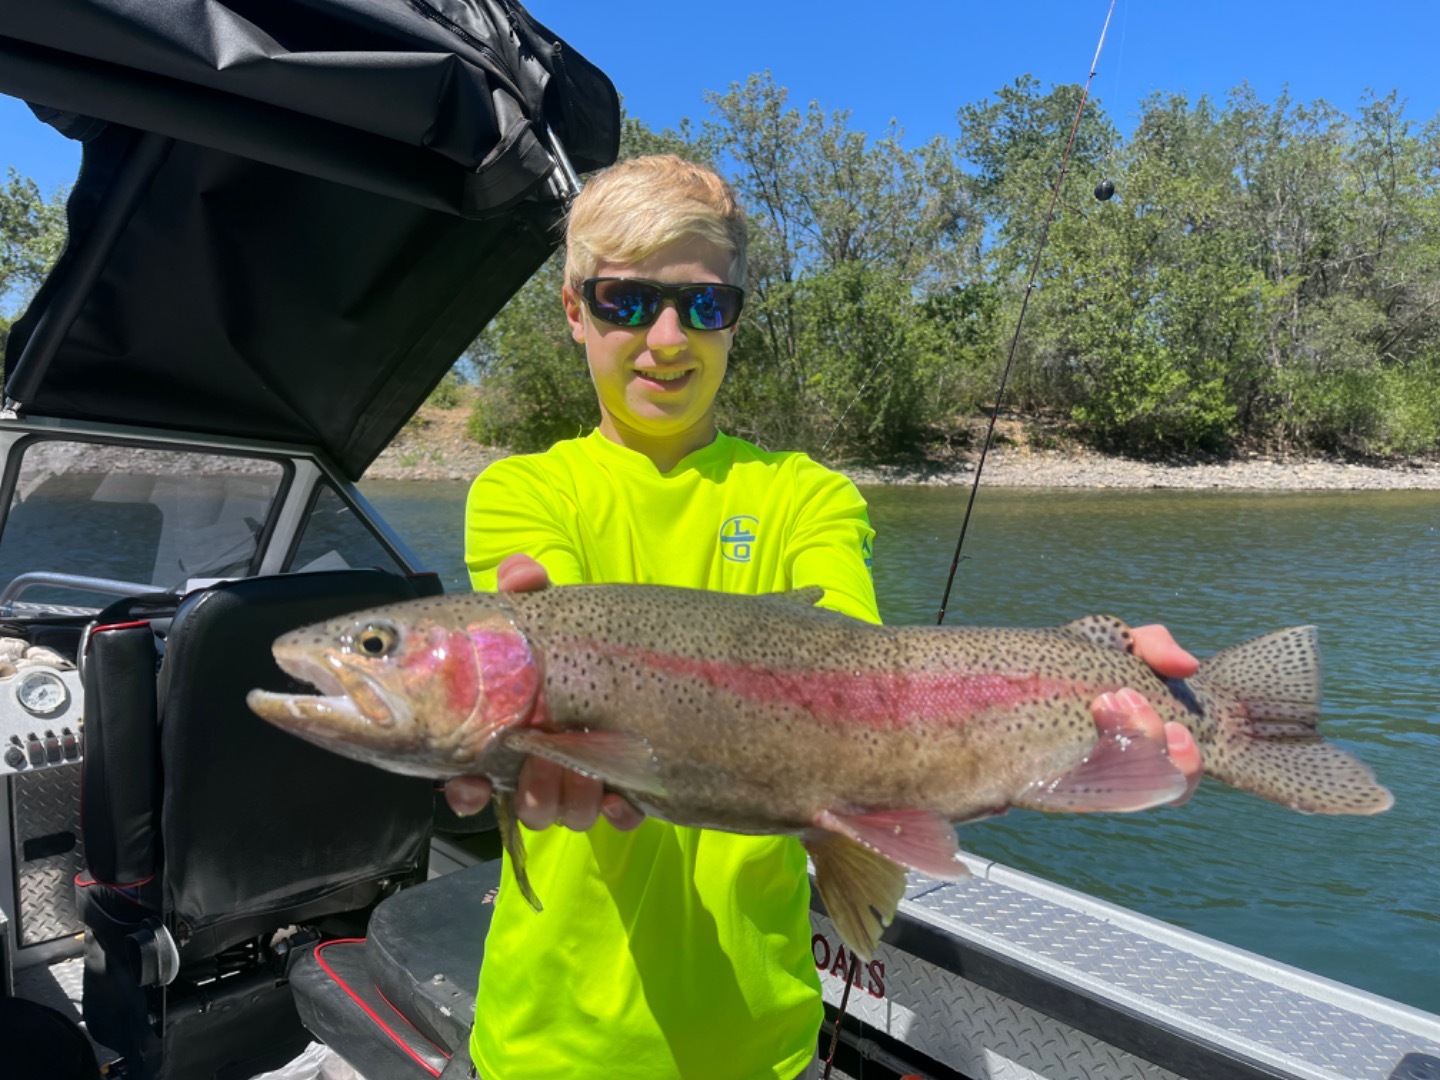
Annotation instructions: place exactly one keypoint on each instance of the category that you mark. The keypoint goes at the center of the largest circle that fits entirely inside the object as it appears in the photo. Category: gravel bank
(1018, 468)
(435, 447)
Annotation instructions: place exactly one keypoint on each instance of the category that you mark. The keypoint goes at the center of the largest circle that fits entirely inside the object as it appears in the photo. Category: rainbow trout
(769, 715)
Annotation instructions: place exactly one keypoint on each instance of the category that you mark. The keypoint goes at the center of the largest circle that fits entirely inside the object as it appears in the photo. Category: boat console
(42, 732)
(41, 708)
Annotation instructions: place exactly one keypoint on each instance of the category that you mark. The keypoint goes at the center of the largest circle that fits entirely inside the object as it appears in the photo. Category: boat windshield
(159, 518)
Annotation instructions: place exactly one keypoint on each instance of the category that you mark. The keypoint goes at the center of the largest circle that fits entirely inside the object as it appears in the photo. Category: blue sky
(916, 61)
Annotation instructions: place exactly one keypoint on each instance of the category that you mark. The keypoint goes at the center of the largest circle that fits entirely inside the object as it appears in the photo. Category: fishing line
(1019, 322)
(1105, 188)
(850, 977)
(864, 383)
(989, 434)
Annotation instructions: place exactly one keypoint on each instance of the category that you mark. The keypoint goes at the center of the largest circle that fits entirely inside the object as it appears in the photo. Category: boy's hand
(548, 794)
(1128, 708)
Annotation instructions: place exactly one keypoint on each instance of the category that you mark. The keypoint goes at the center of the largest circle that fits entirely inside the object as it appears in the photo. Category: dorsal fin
(1104, 630)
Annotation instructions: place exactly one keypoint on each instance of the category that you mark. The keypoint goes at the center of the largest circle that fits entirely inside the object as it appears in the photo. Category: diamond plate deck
(973, 1030)
(1256, 1016)
(46, 804)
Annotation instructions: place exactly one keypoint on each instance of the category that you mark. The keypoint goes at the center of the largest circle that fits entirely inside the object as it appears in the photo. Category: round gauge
(41, 693)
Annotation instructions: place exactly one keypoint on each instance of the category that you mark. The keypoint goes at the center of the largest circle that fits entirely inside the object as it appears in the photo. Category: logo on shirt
(737, 537)
(867, 550)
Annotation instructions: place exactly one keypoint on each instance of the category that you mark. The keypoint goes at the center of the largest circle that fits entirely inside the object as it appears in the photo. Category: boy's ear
(574, 311)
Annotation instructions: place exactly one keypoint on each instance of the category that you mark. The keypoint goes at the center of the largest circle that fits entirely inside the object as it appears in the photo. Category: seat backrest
(120, 790)
(255, 823)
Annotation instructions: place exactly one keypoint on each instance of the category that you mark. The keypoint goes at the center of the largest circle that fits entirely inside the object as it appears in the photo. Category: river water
(1354, 899)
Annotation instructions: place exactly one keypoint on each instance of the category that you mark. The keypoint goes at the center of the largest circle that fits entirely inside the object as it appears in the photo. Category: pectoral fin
(621, 760)
(861, 889)
(514, 845)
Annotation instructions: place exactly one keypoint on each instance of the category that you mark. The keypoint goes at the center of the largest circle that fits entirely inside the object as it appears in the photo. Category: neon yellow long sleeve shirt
(662, 952)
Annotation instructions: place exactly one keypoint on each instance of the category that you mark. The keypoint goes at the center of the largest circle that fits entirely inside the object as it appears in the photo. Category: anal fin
(861, 889)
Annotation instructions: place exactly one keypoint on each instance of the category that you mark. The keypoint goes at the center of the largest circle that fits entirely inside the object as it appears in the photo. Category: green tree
(1014, 144)
(849, 236)
(1154, 300)
(32, 234)
(1268, 275)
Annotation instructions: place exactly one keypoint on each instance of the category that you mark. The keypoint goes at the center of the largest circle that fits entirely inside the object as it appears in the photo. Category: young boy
(664, 951)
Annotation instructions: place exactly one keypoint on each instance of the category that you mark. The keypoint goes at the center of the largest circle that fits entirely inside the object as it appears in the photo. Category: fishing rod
(1103, 191)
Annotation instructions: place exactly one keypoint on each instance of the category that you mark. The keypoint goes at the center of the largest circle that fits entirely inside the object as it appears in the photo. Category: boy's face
(657, 383)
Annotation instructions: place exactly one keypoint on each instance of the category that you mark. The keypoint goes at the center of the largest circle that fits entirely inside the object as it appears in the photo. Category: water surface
(1355, 899)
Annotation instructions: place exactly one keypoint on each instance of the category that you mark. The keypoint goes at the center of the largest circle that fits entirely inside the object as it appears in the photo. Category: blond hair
(634, 208)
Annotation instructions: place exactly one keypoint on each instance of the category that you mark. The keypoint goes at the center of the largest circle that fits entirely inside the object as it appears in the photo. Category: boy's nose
(666, 331)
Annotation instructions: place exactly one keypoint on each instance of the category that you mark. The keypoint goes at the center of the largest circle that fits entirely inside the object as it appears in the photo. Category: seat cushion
(342, 1007)
(424, 950)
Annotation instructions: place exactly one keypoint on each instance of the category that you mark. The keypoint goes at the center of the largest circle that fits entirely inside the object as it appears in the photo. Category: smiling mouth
(666, 377)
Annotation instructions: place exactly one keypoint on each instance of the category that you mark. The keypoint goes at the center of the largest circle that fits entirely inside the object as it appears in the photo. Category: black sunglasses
(636, 302)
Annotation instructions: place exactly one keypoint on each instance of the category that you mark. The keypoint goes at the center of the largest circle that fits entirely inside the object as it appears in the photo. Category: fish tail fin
(514, 845)
(1263, 701)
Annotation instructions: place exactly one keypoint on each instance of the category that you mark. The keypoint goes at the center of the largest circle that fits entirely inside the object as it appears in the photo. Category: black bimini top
(292, 215)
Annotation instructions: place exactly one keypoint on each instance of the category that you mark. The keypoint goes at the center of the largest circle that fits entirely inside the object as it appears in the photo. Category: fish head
(420, 687)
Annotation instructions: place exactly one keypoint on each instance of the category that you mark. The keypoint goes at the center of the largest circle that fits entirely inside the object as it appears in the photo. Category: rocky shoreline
(1007, 467)
(435, 446)
(1085, 469)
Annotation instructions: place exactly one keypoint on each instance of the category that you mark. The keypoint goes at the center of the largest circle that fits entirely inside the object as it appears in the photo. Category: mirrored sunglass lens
(709, 309)
(625, 303)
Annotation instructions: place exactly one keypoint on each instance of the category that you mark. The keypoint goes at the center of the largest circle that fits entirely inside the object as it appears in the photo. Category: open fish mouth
(309, 711)
(349, 699)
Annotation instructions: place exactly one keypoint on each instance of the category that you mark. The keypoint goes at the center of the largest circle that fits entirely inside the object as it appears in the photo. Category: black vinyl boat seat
(400, 1003)
(210, 834)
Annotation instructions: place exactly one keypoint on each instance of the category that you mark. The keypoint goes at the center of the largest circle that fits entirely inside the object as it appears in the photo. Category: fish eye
(376, 639)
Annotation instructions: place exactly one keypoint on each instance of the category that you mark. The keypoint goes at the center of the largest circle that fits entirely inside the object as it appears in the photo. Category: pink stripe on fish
(878, 698)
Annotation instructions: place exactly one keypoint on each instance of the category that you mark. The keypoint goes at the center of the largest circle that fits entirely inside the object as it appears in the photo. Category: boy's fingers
(1180, 745)
(1128, 710)
(521, 573)
(620, 813)
(1155, 646)
(467, 795)
(579, 801)
(537, 796)
(550, 794)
